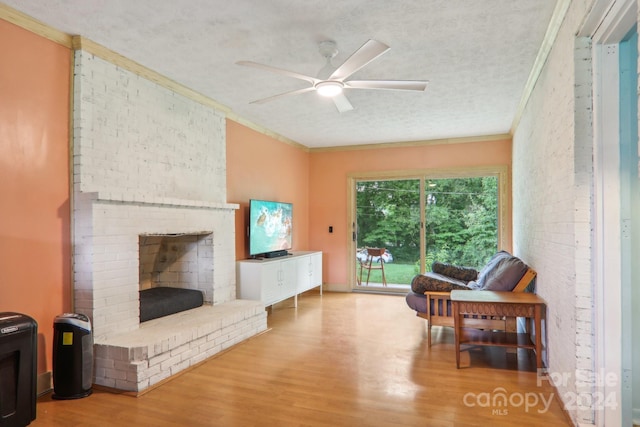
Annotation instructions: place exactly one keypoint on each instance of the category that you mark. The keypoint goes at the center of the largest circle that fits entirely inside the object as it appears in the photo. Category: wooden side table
(490, 303)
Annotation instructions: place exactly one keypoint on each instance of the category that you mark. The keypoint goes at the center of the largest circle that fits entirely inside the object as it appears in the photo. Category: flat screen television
(270, 228)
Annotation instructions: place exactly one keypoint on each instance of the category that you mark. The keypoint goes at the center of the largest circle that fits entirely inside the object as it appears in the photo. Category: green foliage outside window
(461, 219)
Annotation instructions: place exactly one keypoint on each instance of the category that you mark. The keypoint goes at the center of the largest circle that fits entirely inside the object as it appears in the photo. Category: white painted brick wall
(552, 196)
(138, 138)
(146, 161)
(149, 161)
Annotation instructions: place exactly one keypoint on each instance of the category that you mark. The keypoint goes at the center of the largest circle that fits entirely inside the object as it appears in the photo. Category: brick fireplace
(147, 163)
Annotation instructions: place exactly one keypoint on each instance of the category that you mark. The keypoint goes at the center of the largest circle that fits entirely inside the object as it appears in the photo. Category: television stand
(277, 279)
(276, 254)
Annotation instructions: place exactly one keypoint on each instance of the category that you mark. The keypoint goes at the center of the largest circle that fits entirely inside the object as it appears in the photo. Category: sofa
(430, 292)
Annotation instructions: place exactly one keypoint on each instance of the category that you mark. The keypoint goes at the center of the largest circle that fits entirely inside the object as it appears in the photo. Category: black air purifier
(18, 349)
(72, 356)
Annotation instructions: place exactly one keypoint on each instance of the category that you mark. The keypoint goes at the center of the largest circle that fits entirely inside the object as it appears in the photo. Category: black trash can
(18, 350)
(72, 356)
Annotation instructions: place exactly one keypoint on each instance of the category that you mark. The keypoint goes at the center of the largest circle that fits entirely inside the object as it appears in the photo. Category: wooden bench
(440, 313)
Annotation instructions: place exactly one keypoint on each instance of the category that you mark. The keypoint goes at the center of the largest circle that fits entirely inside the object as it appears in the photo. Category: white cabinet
(276, 279)
(309, 272)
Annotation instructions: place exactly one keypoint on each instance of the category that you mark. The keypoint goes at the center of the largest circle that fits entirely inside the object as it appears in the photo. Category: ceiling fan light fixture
(331, 81)
(329, 88)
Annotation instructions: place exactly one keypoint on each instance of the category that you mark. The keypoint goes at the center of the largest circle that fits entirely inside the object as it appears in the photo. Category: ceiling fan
(332, 83)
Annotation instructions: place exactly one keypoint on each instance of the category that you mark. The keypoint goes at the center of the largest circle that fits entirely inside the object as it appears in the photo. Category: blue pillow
(502, 273)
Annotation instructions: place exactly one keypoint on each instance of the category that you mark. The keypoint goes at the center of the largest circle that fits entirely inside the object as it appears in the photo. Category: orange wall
(35, 252)
(328, 187)
(260, 167)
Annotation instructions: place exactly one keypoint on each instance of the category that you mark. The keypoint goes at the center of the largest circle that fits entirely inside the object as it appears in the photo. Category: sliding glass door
(455, 217)
(387, 217)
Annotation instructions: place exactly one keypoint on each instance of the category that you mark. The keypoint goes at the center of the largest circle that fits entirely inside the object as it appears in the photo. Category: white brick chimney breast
(149, 161)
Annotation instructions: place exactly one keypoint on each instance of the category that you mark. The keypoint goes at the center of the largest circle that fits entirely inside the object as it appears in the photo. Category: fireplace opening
(176, 273)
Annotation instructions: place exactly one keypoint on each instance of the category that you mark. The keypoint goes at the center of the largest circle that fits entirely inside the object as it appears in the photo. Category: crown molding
(559, 13)
(33, 25)
(261, 129)
(442, 141)
(82, 43)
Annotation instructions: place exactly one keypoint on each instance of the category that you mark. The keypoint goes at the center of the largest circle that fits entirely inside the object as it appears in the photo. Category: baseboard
(328, 287)
(43, 383)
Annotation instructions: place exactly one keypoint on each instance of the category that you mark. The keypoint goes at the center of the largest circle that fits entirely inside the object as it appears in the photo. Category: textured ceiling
(476, 54)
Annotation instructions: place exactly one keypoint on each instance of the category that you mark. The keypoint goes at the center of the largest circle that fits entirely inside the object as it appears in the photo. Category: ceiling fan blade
(342, 103)
(293, 74)
(281, 95)
(418, 85)
(361, 57)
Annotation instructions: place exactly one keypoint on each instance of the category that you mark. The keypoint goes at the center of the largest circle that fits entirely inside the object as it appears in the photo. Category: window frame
(501, 172)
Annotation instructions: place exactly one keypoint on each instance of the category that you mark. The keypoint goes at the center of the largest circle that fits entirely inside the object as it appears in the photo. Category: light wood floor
(337, 360)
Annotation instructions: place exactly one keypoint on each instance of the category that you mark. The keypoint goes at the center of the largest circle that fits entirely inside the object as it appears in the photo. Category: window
(456, 216)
